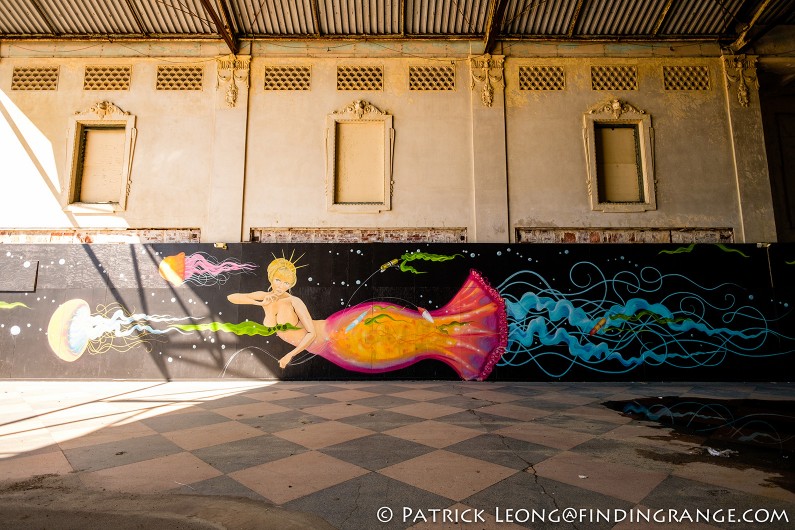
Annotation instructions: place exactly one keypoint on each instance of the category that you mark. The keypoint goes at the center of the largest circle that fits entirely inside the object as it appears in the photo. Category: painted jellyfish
(73, 329)
(601, 324)
(469, 333)
(200, 269)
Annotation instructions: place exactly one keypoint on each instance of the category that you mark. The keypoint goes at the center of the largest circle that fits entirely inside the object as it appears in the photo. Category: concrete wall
(286, 157)
(188, 170)
(170, 167)
(547, 161)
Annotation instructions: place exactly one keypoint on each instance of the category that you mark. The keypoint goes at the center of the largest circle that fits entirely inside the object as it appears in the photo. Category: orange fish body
(469, 334)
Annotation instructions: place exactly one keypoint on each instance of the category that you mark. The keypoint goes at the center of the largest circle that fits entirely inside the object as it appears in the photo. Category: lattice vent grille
(43, 78)
(431, 78)
(107, 78)
(360, 78)
(179, 77)
(686, 77)
(614, 77)
(288, 77)
(542, 78)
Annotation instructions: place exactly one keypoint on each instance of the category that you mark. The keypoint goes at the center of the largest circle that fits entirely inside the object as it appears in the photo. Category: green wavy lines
(680, 250)
(692, 246)
(243, 328)
(454, 323)
(378, 318)
(424, 256)
(789, 262)
(655, 317)
(727, 249)
(12, 305)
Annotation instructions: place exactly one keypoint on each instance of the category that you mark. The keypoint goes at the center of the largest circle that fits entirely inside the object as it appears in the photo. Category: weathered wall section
(692, 144)
(170, 168)
(443, 311)
(201, 163)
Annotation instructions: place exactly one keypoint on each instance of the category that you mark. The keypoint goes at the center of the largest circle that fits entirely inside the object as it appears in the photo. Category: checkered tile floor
(343, 450)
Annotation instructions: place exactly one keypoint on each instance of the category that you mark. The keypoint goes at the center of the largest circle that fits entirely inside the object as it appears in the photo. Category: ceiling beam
(575, 18)
(315, 16)
(493, 23)
(226, 16)
(225, 30)
(662, 17)
(402, 18)
(137, 18)
(743, 39)
(43, 15)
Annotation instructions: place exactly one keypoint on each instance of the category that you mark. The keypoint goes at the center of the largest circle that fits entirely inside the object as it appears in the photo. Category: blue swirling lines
(602, 324)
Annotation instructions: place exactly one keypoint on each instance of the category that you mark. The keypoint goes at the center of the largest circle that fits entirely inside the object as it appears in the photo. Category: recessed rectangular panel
(617, 164)
(18, 276)
(360, 163)
(103, 156)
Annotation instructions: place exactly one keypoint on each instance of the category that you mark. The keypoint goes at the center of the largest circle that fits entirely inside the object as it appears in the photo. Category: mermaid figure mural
(605, 324)
(469, 333)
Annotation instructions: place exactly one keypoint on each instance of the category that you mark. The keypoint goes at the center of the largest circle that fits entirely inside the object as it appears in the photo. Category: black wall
(589, 312)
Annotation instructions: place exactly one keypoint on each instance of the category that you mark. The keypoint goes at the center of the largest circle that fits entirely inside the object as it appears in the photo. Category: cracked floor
(434, 454)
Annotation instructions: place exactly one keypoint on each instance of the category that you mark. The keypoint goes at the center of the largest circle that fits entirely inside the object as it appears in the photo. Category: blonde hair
(283, 269)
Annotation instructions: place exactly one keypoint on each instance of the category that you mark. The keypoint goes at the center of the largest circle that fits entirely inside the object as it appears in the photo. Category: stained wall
(200, 163)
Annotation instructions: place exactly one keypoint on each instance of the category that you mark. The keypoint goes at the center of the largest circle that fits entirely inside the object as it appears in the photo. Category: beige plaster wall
(286, 162)
(696, 186)
(179, 152)
(170, 168)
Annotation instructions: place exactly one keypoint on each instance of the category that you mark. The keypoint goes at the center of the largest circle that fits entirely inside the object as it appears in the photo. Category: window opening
(99, 164)
(618, 163)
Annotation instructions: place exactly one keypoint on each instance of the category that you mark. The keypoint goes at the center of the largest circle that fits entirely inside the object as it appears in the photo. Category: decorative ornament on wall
(103, 109)
(359, 108)
(233, 69)
(616, 108)
(488, 70)
(741, 70)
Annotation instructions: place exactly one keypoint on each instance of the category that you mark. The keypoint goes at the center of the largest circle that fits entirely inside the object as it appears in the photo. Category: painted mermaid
(469, 333)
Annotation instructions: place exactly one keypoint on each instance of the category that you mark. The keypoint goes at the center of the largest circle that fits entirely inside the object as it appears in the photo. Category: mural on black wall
(535, 312)
(74, 329)
(615, 323)
(201, 269)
